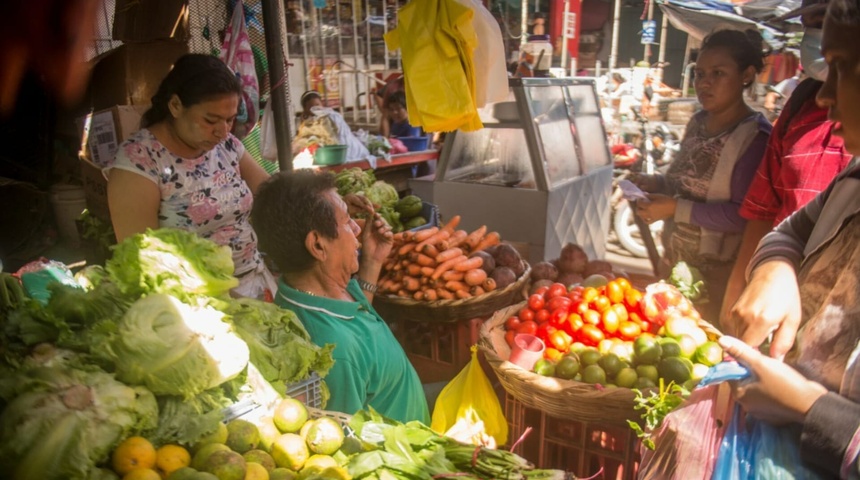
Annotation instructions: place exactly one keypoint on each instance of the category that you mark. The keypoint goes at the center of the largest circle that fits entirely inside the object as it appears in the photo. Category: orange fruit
(132, 453)
(142, 474)
(170, 458)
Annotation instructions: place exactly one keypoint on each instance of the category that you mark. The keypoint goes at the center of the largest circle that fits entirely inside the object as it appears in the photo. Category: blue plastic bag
(733, 459)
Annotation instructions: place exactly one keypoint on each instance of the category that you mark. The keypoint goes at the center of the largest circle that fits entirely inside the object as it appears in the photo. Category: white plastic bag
(268, 143)
(489, 56)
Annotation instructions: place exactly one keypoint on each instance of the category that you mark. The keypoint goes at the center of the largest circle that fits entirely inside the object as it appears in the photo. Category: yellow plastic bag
(468, 409)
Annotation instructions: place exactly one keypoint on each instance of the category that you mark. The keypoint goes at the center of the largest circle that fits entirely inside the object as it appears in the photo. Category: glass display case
(539, 172)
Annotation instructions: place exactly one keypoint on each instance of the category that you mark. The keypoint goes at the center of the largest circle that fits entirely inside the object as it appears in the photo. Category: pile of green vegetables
(401, 214)
(151, 345)
(412, 451)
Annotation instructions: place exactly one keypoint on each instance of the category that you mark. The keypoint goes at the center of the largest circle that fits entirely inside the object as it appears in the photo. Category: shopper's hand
(356, 204)
(658, 207)
(776, 393)
(770, 303)
(648, 183)
(377, 240)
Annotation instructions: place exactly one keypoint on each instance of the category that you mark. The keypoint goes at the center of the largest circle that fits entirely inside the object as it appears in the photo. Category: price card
(631, 192)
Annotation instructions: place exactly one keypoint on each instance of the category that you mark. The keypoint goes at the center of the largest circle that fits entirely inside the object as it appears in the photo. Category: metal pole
(356, 6)
(686, 83)
(564, 38)
(646, 55)
(661, 55)
(321, 41)
(384, 32)
(613, 50)
(524, 22)
(304, 39)
(273, 17)
(340, 88)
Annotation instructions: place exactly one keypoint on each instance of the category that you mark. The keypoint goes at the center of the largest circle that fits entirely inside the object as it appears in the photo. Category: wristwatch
(367, 286)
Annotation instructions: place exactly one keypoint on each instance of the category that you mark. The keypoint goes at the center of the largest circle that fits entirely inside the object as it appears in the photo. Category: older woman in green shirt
(304, 227)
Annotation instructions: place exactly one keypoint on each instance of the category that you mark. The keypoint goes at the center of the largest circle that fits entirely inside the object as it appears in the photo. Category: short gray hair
(844, 12)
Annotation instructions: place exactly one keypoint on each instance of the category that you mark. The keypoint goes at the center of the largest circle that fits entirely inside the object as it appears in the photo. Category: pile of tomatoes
(603, 316)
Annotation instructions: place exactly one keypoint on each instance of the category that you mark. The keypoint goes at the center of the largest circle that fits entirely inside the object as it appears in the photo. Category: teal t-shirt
(370, 367)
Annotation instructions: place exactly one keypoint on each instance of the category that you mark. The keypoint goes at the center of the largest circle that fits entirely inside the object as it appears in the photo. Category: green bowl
(330, 155)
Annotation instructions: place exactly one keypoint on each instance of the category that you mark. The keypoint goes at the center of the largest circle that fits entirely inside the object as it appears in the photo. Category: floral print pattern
(206, 195)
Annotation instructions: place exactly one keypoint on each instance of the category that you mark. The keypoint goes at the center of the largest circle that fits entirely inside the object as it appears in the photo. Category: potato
(572, 259)
(538, 284)
(507, 256)
(544, 271)
(503, 276)
(489, 262)
(597, 266)
(568, 278)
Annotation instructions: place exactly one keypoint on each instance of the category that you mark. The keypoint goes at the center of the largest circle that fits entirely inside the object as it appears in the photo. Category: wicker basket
(554, 396)
(396, 308)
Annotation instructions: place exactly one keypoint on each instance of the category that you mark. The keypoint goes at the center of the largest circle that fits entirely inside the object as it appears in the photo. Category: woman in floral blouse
(184, 169)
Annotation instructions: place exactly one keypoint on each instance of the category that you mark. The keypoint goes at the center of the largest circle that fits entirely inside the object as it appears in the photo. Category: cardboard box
(150, 20)
(95, 190)
(130, 74)
(103, 131)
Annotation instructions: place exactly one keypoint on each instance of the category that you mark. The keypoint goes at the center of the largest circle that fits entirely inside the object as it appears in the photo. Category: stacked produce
(153, 346)
(614, 335)
(401, 214)
(446, 263)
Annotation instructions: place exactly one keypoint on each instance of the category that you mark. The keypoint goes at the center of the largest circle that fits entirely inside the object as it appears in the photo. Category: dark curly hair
(195, 78)
(287, 207)
(745, 47)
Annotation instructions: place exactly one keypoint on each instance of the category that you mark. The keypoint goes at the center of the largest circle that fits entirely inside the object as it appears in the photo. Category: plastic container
(528, 349)
(431, 213)
(415, 144)
(538, 50)
(330, 155)
(68, 201)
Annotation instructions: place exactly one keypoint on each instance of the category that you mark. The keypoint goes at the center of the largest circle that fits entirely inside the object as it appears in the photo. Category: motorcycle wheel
(628, 233)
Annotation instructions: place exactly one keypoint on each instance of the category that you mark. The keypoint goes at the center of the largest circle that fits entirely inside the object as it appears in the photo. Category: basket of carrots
(446, 274)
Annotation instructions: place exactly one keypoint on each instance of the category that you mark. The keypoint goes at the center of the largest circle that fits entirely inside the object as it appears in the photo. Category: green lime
(709, 353)
(674, 369)
(649, 372)
(578, 377)
(671, 347)
(626, 377)
(589, 356)
(699, 371)
(647, 350)
(545, 367)
(677, 326)
(642, 383)
(688, 346)
(593, 374)
(699, 336)
(611, 364)
(690, 384)
(577, 347)
(567, 367)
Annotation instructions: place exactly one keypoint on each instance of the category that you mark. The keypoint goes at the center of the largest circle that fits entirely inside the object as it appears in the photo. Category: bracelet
(367, 286)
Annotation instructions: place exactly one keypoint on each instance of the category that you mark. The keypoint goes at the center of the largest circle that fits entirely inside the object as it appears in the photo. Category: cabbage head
(173, 261)
(176, 349)
(60, 422)
(382, 194)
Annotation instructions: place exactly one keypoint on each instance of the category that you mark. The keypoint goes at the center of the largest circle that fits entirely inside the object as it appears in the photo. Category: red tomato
(527, 314)
(558, 316)
(536, 302)
(543, 331)
(529, 327)
(629, 330)
(609, 321)
(589, 294)
(623, 283)
(541, 291)
(649, 309)
(573, 324)
(560, 340)
(614, 292)
(579, 308)
(577, 289)
(632, 298)
(601, 303)
(669, 297)
(558, 302)
(513, 323)
(591, 317)
(509, 337)
(552, 354)
(542, 315)
(575, 296)
(635, 318)
(591, 335)
(556, 290)
(621, 310)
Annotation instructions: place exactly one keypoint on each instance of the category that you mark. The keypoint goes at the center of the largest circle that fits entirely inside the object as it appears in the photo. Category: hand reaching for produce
(658, 207)
(777, 393)
(358, 204)
(770, 303)
(648, 183)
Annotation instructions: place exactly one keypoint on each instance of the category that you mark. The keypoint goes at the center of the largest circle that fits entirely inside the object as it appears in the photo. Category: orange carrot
(457, 238)
(472, 240)
(403, 293)
(470, 264)
(448, 255)
(411, 284)
(406, 249)
(430, 295)
(434, 240)
(424, 260)
(402, 237)
(444, 294)
(452, 224)
(452, 275)
(422, 235)
(427, 271)
(455, 286)
(492, 238)
(475, 277)
(413, 269)
(419, 295)
(430, 251)
(489, 284)
(463, 294)
(477, 290)
(448, 265)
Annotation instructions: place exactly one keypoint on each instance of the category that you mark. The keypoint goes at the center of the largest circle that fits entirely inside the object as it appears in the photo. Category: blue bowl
(415, 144)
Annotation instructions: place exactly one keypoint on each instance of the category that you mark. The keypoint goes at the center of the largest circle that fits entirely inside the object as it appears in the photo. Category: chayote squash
(409, 206)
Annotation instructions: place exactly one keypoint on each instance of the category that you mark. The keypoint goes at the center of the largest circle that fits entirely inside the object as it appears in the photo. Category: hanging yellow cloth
(437, 40)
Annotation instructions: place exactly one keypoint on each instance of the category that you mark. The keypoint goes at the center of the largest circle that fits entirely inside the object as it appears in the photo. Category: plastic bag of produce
(687, 442)
(468, 409)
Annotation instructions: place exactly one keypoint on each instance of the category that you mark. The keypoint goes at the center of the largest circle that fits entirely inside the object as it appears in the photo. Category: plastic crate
(438, 351)
(431, 213)
(307, 391)
(582, 448)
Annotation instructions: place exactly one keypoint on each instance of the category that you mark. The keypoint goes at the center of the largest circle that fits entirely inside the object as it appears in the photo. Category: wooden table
(397, 171)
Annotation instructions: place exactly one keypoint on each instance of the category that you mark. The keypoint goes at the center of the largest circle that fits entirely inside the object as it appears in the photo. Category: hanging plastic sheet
(236, 52)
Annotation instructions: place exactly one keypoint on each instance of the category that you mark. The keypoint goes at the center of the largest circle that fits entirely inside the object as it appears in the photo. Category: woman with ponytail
(184, 169)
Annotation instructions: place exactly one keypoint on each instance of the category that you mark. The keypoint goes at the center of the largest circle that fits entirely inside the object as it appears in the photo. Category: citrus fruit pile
(612, 334)
(284, 446)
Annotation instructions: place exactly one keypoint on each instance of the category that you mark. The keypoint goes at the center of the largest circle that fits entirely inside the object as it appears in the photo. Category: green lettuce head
(176, 349)
(171, 261)
(382, 194)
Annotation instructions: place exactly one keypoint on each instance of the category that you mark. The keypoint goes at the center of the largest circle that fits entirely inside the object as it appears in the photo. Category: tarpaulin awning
(699, 18)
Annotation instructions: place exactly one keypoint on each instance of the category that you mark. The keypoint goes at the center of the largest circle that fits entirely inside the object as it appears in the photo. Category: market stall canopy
(700, 17)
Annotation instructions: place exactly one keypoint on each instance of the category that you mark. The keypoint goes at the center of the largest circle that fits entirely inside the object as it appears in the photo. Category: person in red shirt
(802, 157)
